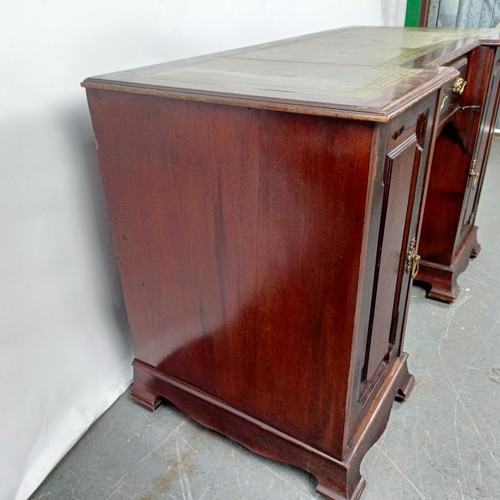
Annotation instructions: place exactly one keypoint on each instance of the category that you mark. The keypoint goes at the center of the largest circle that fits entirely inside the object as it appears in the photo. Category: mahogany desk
(266, 206)
(461, 149)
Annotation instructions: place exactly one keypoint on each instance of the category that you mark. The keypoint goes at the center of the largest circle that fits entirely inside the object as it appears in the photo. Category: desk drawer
(451, 100)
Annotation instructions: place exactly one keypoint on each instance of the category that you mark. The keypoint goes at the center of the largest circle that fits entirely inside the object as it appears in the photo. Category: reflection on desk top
(368, 73)
(367, 46)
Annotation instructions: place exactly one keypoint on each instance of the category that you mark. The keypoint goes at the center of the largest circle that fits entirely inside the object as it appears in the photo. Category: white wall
(65, 346)
(393, 12)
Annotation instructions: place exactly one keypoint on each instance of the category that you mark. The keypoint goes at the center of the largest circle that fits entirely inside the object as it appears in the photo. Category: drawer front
(452, 95)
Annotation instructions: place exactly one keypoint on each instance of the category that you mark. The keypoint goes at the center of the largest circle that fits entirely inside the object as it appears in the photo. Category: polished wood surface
(217, 243)
(242, 237)
(266, 216)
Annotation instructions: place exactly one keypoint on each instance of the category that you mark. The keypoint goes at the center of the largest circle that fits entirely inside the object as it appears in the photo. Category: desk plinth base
(443, 278)
(338, 478)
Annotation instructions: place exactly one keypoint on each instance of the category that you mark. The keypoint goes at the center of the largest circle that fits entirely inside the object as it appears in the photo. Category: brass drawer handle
(412, 259)
(459, 86)
(415, 267)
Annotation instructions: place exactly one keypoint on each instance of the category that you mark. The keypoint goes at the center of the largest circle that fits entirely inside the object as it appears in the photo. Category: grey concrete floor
(444, 443)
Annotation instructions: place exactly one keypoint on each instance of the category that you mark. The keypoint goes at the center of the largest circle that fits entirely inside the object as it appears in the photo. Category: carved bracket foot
(339, 478)
(441, 281)
(442, 278)
(141, 395)
(331, 492)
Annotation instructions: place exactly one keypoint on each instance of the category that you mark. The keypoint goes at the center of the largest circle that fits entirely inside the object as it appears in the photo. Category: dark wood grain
(241, 237)
(227, 251)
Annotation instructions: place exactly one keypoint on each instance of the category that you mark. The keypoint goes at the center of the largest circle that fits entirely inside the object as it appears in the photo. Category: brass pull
(443, 102)
(412, 259)
(474, 175)
(459, 86)
(415, 267)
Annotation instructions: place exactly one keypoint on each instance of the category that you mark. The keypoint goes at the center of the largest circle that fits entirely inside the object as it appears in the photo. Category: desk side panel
(238, 236)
